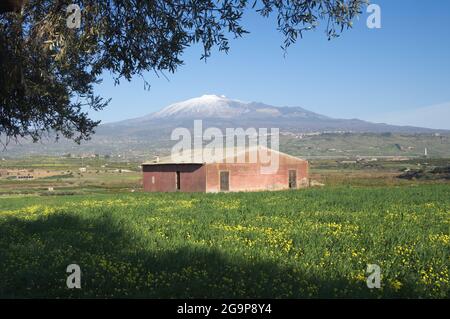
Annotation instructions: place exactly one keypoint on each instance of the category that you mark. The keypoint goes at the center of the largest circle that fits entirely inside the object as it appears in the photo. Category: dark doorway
(292, 179)
(224, 181)
(178, 181)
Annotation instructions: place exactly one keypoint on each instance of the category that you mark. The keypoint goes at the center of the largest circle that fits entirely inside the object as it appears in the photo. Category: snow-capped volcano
(222, 112)
(153, 131)
(219, 106)
(204, 106)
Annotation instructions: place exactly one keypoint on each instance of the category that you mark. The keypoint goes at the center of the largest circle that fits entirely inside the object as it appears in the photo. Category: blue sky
(372, 74)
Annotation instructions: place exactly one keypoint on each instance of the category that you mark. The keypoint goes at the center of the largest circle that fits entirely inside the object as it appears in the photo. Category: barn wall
(248, 177)
(192, 177)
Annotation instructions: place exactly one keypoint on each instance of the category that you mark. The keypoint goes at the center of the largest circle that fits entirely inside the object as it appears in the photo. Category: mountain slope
(223, 112)
(152, 133)
(214, 106)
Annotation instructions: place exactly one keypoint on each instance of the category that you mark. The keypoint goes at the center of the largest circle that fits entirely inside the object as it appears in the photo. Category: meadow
(308, 243)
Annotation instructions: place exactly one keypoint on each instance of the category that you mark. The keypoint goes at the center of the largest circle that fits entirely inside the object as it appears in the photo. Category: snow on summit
(221, 107)
(208, 105)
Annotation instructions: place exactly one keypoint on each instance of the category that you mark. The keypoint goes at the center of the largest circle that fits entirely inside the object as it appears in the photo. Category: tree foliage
(48, 71)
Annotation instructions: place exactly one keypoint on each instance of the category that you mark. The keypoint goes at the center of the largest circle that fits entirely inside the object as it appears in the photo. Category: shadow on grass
(116, 262)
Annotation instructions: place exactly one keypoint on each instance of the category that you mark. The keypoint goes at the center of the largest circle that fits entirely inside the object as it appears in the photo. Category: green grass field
(306, 243)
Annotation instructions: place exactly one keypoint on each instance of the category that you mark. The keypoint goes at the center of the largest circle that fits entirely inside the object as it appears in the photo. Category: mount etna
(151, 133)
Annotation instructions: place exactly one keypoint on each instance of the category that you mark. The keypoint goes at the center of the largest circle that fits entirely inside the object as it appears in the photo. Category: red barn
(216, 176)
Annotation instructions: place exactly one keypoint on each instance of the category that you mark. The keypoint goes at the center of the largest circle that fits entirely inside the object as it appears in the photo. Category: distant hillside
(151, 134)
(223, 112)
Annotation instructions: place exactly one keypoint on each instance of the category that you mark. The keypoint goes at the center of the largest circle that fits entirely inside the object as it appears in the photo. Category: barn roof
(198, 153)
